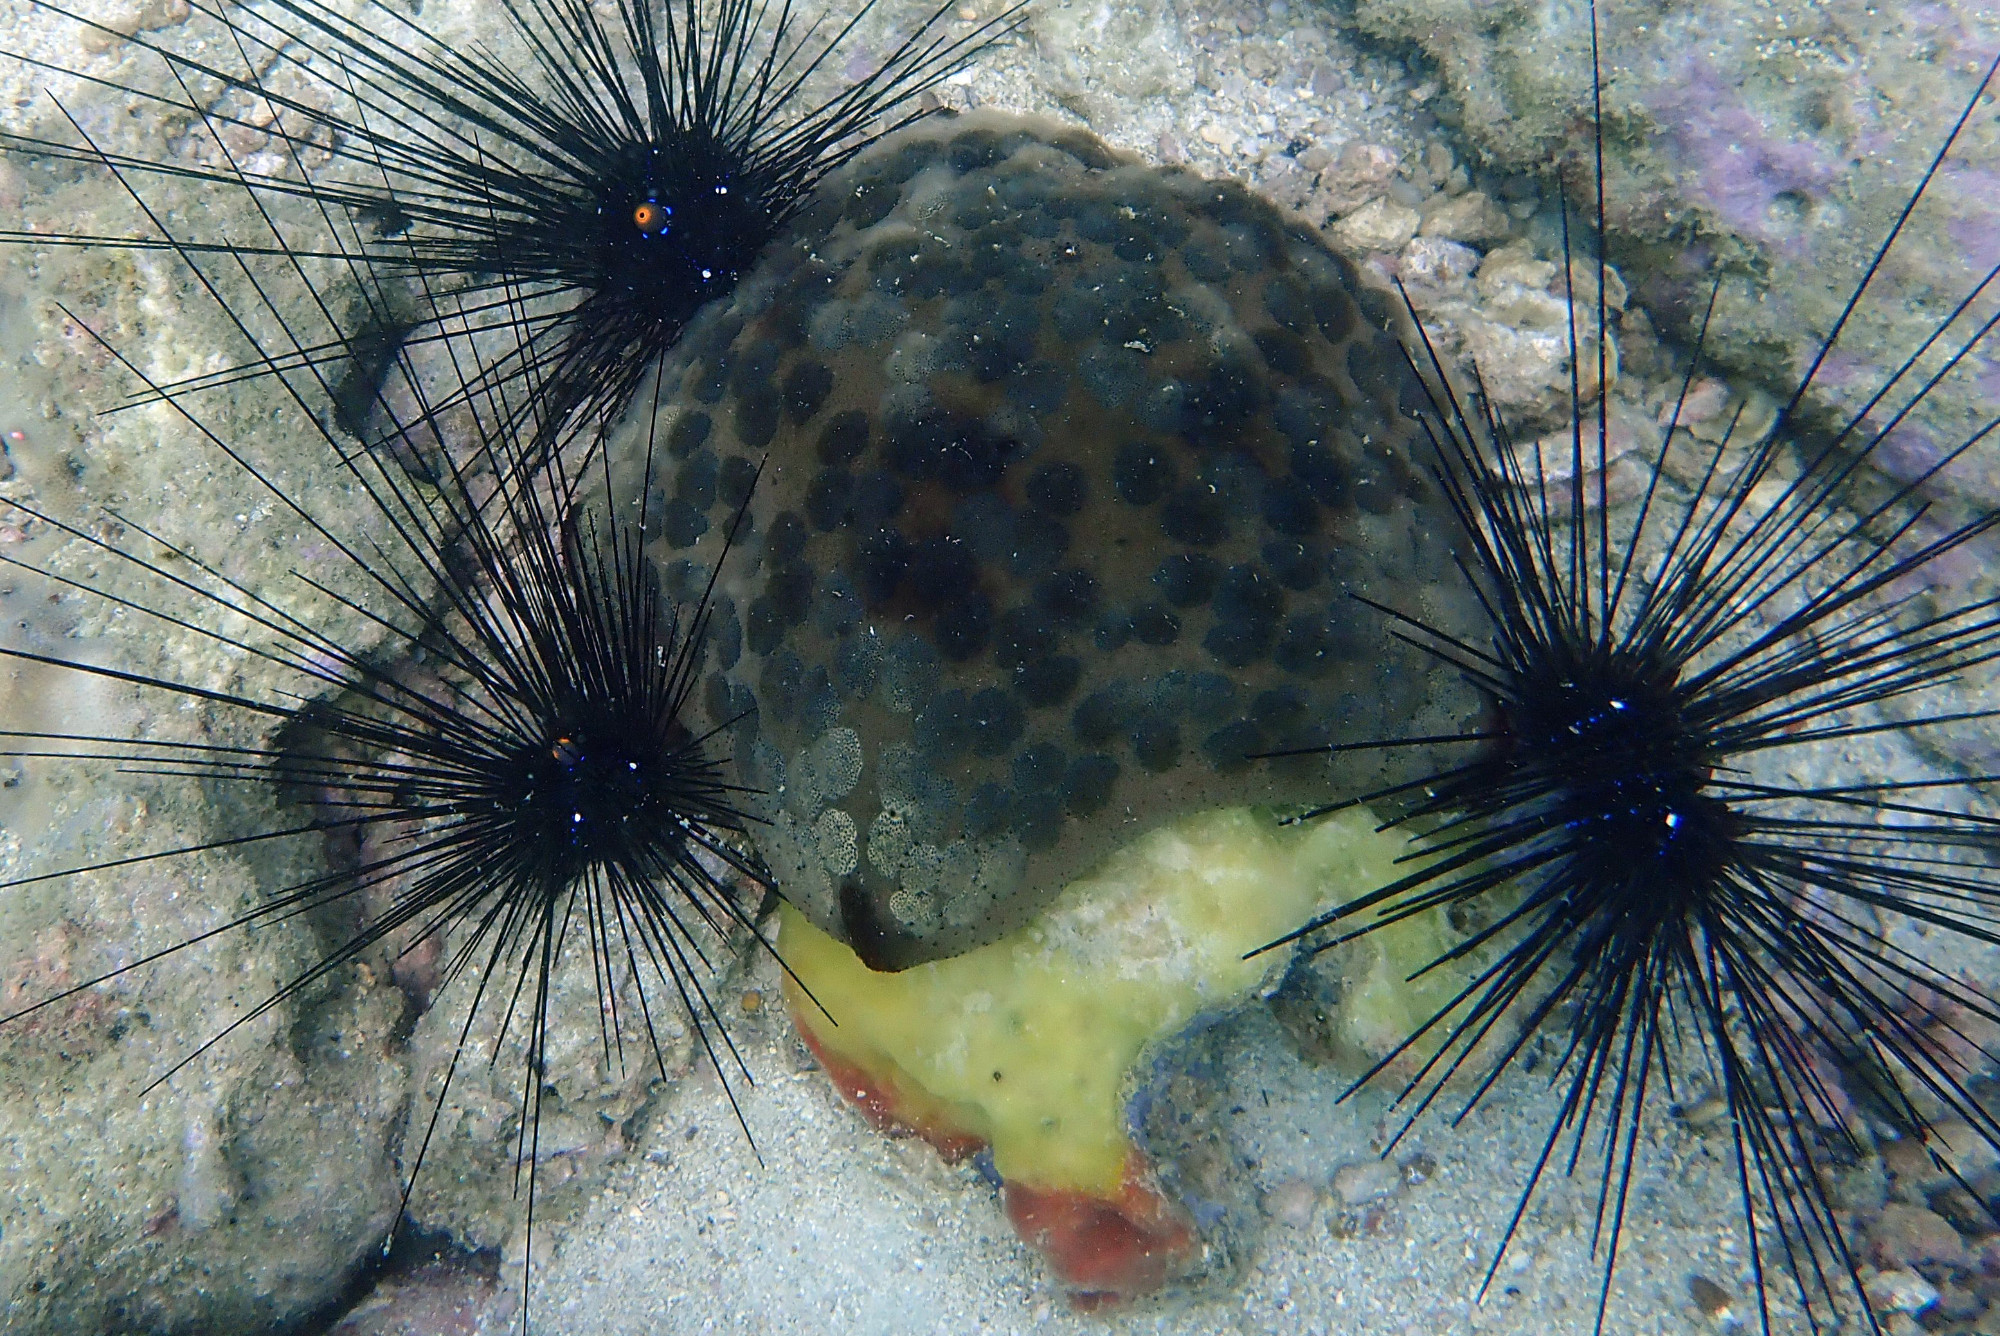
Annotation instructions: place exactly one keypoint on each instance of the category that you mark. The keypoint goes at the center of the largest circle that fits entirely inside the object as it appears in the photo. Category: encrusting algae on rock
(1030, 1044)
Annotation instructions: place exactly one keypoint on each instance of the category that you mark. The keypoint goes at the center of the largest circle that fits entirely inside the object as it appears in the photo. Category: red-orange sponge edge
(1103, 1249)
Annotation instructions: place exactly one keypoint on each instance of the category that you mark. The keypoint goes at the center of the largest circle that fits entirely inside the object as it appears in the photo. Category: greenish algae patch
(1026, 1044)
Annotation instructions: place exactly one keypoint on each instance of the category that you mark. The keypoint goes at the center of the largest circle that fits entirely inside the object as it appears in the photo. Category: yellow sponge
(1026, 1044)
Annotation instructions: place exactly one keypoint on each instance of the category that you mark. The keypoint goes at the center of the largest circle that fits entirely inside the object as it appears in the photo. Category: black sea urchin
(515, 753)
(1659, 887)
(586, 190)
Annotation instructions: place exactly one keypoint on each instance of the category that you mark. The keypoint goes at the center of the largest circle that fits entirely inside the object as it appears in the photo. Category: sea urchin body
(478, 726)
(1658, 888)
(584, 191)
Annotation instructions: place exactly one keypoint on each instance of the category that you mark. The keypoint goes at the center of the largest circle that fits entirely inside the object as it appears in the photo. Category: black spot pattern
(1061, 565)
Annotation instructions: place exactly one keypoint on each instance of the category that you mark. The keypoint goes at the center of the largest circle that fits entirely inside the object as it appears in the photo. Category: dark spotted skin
(1072, 469)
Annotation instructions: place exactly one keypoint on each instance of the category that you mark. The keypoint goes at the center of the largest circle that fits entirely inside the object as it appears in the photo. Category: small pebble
(1362, 172)
(1417, 1167)
(1435, 262)
(1292, 1202)
(1705, 399)
(1468, 217)
(1901, 1291)
(1905, 1235)
(1512, 267)
(1714, 1302)
(1709, 1111)
(1365, 1181)
(1359, 1223)
(1379, 225)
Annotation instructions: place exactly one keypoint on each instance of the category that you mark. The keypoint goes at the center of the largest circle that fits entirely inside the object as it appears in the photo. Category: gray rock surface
(1770, 148)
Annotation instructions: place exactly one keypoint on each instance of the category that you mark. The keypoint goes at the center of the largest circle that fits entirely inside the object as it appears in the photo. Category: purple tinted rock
(1770, 147)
